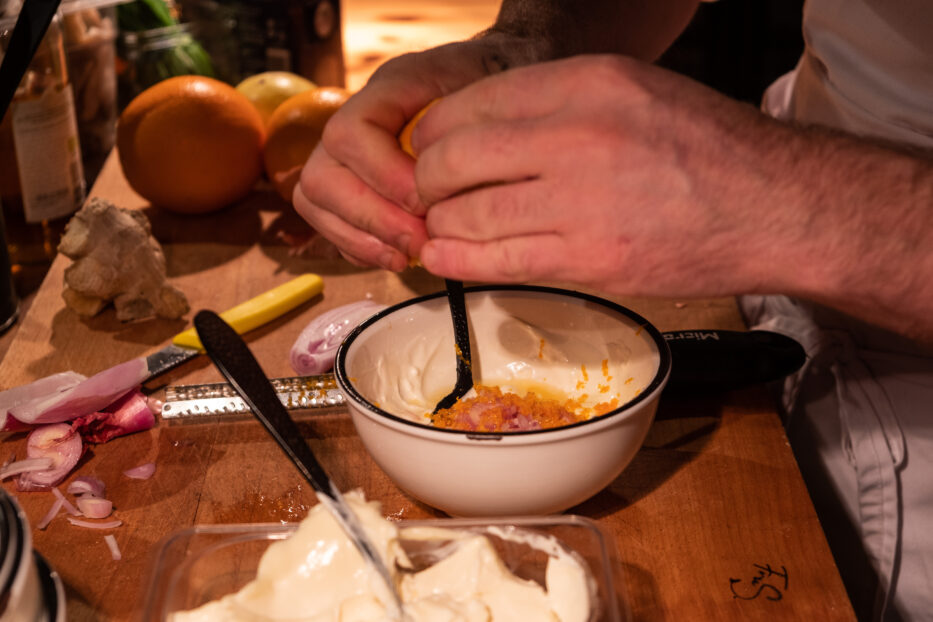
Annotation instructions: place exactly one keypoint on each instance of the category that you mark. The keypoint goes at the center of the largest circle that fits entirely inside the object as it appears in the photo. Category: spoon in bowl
(233, 358)
(457, 303)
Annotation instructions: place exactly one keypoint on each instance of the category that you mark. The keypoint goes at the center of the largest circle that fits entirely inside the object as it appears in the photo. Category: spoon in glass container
(457, 303)
(233, 358)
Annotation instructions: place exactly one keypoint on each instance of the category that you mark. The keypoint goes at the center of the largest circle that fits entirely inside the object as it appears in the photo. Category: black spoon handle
(34, 19)
(457, 302)
(233, 358)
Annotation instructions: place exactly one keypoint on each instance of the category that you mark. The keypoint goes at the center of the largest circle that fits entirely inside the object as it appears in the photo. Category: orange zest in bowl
(493, 410)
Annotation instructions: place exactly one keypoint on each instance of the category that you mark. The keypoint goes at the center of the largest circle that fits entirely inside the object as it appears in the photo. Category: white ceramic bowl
(397, 364)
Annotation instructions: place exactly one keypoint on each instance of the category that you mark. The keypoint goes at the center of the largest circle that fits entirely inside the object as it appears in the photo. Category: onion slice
(143, 471)
(52, 513)
(58, 442)
(114, 548)
(86, 484)
(25, 466)
(65, 502)
(90, 525)
(95, 507)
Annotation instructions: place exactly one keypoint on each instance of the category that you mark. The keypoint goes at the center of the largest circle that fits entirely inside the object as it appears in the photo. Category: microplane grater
(185, 402)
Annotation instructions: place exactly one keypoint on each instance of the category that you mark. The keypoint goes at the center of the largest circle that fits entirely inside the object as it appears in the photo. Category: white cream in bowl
(559, 348)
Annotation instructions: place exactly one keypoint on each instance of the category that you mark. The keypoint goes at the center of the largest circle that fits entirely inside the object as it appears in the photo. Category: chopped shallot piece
(86, 484)
(71, 509)
(25, 466)
(52, 513)
(58, 442)
(90, 525)
(316, 347)
(94, 507)
(143, 471)
(114, 548)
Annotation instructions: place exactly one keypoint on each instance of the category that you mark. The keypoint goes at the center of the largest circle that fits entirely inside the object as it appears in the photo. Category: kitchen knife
(703, 361)
(243, 318)
(186, 345)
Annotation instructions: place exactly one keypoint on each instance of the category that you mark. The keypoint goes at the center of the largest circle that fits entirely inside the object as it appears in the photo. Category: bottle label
(45, 134)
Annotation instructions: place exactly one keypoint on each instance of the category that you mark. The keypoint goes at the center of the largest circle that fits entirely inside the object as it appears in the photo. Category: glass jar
(41, 179)
(150, 56)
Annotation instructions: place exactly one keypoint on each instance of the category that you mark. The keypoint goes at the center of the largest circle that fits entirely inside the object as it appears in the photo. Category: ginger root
(117, 260)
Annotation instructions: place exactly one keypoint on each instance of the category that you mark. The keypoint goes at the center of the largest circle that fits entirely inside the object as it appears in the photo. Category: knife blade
(243, 318)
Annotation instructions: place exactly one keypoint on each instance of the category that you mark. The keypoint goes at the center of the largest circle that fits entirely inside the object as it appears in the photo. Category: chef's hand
(358, 188)
(597, 170)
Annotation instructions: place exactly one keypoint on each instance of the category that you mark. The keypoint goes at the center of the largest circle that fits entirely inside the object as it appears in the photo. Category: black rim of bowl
(664, 364)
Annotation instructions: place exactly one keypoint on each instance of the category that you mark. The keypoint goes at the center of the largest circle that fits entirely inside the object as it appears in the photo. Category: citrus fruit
(294, 130)
(269, 89)
(404, 137)
(191, 144)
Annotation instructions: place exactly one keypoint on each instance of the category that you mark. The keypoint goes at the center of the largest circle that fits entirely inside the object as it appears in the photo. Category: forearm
(561, 28)
(861, 238)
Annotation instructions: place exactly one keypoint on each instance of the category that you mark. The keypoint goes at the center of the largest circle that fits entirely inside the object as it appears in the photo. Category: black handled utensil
(457, 303)
(233, 358)
(721, 360)
(34, 19)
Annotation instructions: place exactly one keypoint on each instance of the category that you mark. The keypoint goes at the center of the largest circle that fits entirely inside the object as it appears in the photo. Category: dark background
(739, 47)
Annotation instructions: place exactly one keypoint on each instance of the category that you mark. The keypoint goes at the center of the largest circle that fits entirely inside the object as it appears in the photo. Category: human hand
(357, 188)
(600, 171)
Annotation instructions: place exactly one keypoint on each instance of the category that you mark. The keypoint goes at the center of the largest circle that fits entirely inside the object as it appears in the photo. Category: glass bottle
(41, 177)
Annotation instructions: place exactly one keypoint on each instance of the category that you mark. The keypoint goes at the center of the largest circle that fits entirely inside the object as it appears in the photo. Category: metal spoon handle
(233, 358)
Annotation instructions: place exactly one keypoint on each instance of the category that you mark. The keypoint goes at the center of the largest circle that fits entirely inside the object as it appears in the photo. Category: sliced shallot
(71, 509)
(52, 513)
(143, 471)
(58, 442)
(25, 466)
(114, 548)
(91, 525)
(86, 484)
(94, 507)
(316, 347)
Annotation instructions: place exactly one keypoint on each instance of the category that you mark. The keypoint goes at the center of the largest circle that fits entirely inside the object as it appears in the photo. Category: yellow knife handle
(263, 308)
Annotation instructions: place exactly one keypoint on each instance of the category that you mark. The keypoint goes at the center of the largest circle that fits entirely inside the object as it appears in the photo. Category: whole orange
(191, 144)
(294, 130)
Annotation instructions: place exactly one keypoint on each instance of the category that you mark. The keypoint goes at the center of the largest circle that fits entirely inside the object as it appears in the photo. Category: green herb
(166, 49)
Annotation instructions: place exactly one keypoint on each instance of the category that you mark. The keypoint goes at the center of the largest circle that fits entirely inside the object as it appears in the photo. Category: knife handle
(263, 308)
